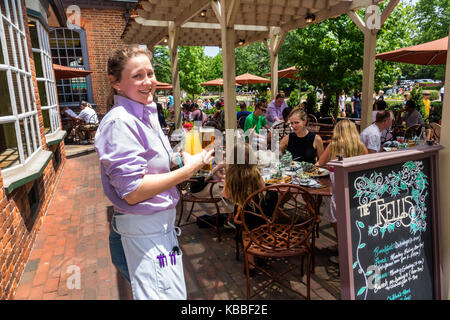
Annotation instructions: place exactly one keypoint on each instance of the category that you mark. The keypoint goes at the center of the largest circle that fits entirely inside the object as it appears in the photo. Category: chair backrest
(413, 131)
(436, 131)
(311, 123)
(282, 128)
(285, 207)
(213, 123)
(241, 121)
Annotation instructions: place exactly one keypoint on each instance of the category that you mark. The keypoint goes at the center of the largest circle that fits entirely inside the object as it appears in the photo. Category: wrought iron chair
(412, 131)
(188, 196)
(285, 233)
(435, 132)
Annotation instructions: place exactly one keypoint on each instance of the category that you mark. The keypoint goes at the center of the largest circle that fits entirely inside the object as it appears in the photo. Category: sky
(211, 51)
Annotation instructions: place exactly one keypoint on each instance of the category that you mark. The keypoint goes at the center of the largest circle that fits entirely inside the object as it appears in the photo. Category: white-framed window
(44, 76)
(19, 125)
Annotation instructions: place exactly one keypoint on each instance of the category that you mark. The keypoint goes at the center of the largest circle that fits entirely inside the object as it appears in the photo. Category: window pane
(36, 129)
(22, 124)
(46, 116)
(59, 33)
(2, 60)
(38, 64)
(33, 34)
(5, 105)
(42, 93)
(9, 154)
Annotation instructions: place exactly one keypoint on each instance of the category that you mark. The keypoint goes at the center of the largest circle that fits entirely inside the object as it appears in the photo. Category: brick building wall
(103, 30)
(18, 227)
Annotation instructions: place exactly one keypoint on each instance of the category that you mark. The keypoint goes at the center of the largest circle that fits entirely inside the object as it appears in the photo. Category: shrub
(417, 97)
(436, 111)
(328, 107)
(293, 100)
(311, 103)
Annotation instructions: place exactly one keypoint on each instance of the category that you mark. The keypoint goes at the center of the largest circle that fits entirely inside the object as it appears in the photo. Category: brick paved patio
(75, 235)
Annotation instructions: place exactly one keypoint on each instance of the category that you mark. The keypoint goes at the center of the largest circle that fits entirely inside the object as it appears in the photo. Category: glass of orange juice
(192, 143)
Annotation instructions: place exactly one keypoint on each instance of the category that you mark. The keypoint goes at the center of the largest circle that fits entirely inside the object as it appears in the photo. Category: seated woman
(241, 180)
(345, 142)
(304, 145)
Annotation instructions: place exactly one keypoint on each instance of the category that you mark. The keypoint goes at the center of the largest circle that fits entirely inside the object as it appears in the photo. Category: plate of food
(314, 172)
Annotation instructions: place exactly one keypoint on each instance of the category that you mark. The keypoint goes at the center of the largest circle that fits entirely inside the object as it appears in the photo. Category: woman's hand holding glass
(198, 160)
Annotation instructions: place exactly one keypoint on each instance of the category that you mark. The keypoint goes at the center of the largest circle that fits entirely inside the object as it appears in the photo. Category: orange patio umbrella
(248, 78)
(215, 83)
(289, 73)
(163, 85)
(63, 72)
(433, 52)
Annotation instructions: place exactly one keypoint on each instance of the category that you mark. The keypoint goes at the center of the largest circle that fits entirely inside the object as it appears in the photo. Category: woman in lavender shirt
(136, 159)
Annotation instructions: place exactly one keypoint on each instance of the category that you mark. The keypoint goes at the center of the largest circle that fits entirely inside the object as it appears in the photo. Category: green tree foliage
(430, 20)
(191, 61)
(417, 97)
(254, 59)
(161, 64)
(328, 54)
(213, 67)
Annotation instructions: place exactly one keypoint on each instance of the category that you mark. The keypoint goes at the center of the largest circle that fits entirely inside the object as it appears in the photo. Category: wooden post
(374, 21)
(225, 11)
(370, 43)
(444, 170)
(276, 37)
(173, 47)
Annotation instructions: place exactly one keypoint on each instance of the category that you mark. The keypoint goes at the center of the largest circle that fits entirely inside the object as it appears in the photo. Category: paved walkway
(73, 241)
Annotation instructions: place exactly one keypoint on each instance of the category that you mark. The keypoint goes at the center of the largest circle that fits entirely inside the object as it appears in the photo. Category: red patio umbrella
(63, 72)
(433, 52)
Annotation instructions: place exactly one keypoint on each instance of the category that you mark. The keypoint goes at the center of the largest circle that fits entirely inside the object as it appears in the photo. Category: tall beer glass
(207, 135)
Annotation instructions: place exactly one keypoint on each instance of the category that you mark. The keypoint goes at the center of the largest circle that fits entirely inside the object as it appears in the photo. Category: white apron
(153, 255)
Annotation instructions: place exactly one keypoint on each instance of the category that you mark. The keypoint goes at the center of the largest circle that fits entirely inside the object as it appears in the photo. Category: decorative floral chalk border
(410, 178)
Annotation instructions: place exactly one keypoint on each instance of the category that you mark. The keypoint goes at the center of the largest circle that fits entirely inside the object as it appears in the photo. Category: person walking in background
(161, 118)
(342, 99)
(427, 102)
(356, 104)
(135, 161)
(442, 93)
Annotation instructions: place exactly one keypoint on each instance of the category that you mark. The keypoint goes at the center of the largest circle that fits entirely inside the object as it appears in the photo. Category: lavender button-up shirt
(274, 112)
(130, 144)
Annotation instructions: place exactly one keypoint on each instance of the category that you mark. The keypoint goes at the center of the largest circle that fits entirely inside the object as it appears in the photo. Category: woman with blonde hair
(302, 144)
(345, 142)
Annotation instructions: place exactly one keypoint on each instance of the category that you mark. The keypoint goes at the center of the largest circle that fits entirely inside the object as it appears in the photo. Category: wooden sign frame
(342, 198)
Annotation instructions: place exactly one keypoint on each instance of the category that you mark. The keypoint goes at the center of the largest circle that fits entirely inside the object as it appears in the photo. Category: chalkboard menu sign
(391, 231)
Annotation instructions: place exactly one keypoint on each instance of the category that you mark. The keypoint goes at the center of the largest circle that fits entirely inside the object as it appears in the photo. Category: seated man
(255, 121)
(371, 136)
(412, 116)
(275, 109)
(243, 107)
(88, 120)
